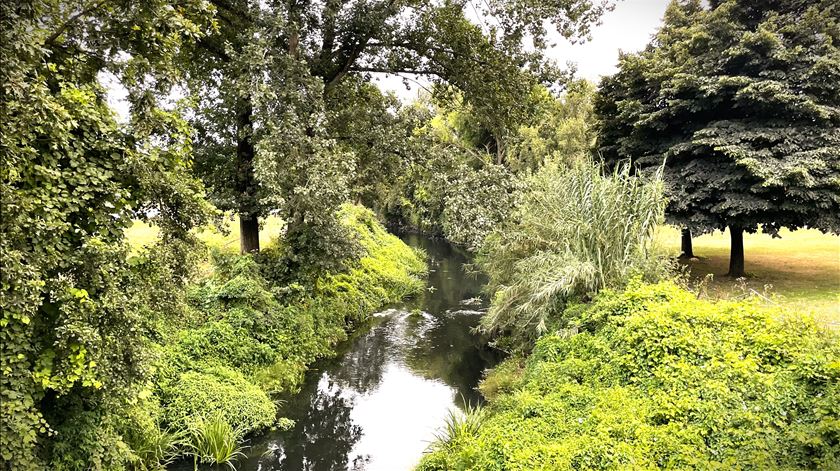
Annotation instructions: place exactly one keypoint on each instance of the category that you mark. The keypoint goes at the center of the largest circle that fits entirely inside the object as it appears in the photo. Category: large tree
(269, 77)
(741, 100)
(75, 309)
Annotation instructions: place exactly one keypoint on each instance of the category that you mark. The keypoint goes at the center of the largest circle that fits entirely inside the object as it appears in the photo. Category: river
(377, 404)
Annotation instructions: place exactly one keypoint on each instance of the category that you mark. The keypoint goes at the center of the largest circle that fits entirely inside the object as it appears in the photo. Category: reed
(577, 230)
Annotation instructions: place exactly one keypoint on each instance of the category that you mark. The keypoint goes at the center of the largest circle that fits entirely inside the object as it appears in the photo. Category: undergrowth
(657, 378)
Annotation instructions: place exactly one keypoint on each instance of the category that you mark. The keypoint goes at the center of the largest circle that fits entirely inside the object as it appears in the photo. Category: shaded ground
(801, 269)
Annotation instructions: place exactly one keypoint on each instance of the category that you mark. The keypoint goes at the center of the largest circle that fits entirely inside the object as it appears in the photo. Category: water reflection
(378, 403)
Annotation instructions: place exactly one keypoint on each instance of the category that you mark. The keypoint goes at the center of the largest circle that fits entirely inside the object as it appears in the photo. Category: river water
(378, 403)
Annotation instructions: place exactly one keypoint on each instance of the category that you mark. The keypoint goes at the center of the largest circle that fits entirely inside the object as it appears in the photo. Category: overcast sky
(627, 28)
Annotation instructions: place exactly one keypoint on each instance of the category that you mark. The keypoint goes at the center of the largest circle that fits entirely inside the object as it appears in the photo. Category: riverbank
(654, 378)
(243, 340)
(379, 402)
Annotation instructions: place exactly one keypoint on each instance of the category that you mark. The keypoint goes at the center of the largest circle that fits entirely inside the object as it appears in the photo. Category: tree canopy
(740, 100)
(285, 69)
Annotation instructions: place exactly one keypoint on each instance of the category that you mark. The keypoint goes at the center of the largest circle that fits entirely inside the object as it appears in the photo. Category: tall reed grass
(576, 231)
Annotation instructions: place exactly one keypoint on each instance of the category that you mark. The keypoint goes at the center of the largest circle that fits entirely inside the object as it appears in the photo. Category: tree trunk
(736, 254)
(687, 251)
(249, 223)
(249, 233)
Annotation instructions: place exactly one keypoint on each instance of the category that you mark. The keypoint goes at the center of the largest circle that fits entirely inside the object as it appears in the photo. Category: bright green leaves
(75, 368)
(74, 315)
(664, 380)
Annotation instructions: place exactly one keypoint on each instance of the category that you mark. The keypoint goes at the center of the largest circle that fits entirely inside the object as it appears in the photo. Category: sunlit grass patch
(802, 268)
(141, 234)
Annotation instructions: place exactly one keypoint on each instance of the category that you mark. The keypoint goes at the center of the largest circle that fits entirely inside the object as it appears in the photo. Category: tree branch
(51, 39)
(384, 70)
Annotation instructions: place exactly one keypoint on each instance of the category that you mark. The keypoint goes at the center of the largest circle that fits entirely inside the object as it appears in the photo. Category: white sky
(628, 28)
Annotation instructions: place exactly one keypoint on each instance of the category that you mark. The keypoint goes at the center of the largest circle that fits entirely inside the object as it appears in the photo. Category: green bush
(200, 394)
(661, 379)
(388, 272)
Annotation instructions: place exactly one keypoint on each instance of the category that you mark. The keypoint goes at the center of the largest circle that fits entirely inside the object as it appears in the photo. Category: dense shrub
(388, 271)
(577, 230)
(660, 379)
(200, 394)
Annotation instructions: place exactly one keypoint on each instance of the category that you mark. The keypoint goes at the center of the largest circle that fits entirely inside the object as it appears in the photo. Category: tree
(76, 309)
(280, 66)
(741, 100)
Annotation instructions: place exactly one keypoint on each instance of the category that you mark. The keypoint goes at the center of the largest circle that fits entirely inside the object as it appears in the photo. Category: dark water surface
(378, 403)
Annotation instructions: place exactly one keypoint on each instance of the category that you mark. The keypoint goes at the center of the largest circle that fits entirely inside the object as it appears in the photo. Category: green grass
(141, 234)
(802, 268)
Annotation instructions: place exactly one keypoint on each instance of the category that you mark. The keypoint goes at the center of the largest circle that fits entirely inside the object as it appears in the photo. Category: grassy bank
(656, 378)
(243, 337)
(802, 268)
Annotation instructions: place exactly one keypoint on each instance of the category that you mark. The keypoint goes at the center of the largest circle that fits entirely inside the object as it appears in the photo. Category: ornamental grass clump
(215, 441)
(458, 426)
(577, 230)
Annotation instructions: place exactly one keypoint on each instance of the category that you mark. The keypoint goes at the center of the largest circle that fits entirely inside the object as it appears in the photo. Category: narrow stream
(378, 403)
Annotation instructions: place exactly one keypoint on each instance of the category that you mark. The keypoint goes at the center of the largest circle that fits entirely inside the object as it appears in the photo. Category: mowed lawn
(802, 268)
(141, 234)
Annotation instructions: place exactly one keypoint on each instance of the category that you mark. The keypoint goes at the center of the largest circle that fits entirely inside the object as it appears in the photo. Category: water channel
(378, 403)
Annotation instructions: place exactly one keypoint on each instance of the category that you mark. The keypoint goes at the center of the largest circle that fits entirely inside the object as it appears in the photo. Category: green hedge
(660, 379)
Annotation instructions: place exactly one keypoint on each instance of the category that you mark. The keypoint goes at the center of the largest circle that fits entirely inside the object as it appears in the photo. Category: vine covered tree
(75, 308)
(742, 101)
(284, 70)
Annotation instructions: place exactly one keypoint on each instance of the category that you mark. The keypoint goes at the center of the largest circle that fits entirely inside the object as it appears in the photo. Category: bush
(388, 272)
(665, 380)
(199, 395)
(576, 231)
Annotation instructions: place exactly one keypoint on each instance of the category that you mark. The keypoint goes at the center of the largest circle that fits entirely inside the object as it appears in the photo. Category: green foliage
(476, 202)
(448, 188)
(575, 232)
(740, 99)
(388, 272)
(156, 448)
(668, 381)
(459, 427)
(213, 389)
(215, 441)
(73, 342)
(460, 181)
(562, 130)
(292, 83)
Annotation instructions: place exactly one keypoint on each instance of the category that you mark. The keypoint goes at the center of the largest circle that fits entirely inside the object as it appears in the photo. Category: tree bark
(736, 254)
(249, 233)
(686, 249)
(249, 223)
